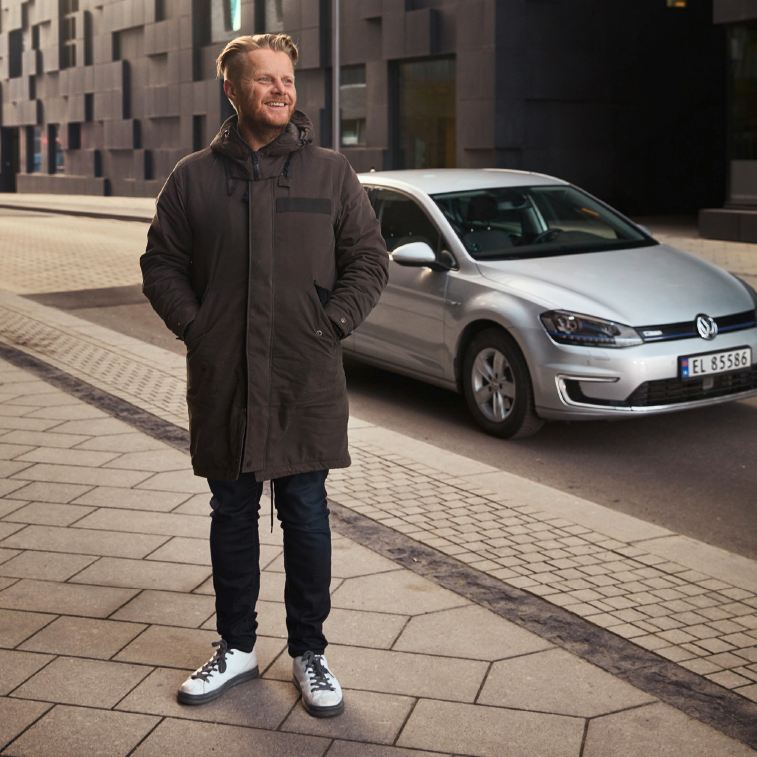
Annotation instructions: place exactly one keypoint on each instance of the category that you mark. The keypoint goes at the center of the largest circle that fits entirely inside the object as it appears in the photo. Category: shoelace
(217, 662)
(317, 672)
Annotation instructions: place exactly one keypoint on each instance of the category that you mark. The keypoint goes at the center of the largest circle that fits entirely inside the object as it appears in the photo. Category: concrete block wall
(614, 96)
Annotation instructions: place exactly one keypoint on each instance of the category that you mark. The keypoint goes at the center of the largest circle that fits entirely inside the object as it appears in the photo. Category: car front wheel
(497, 386)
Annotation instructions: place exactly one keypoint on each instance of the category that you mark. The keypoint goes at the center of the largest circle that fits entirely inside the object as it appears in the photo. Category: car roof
(439, 180)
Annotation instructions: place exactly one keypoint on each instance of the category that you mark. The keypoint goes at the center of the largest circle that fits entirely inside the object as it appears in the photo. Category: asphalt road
(694, 472)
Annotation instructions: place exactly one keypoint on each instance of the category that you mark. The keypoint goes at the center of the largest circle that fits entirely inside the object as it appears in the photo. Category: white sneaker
(321, 692)
(226, 668)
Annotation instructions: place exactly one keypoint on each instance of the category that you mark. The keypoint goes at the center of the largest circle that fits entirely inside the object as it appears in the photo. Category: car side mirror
(415, 254)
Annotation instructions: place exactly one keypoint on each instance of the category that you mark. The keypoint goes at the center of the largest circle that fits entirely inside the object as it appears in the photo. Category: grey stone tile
(61, 456)
(144, 522)
(43, 439)
(130, 499)
(83, 637)
(84, 541)
(259, 703)
(80, 731)
(15, 411)
(168, 608)
(27, 386)
(47, 566)
(362, 628)
(184, 550)
(9, 467)
(10, 505)
(7, 554)
(143, 574)
(80, 474)
(176, 481)
(352, 749)
(9, 451)
(8, 487)
(558, 682)
(80, 411)
(658, 730)
(63, 599)
(95, 427)
(750, 692)
(132, 442)
(18, 666)
(15, 625)
(17, 715)
(397, 672)
(186, 648)
(367, 716)
(154, 460)
(177, 738)
(471, 632)
(46, 399)
(48, 513)
(486, 731)
(7, 529)
(399, 591)
(48, 491)
(350, 559)
(90, 683)
(271, 586)
(25, 424)
(198, 504)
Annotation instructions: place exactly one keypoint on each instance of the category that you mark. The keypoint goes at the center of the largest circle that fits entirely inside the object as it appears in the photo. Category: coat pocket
(325, 328)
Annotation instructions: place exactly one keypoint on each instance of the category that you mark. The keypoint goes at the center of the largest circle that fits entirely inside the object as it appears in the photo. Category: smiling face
(264, 96)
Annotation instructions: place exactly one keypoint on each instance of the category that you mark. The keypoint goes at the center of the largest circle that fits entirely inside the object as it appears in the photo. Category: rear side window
(403, 220)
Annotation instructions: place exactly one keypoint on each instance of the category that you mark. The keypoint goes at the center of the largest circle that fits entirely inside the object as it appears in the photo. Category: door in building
(9, 158)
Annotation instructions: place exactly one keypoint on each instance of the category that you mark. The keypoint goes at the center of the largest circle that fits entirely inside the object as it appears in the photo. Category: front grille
(674, 391)
(668, 332)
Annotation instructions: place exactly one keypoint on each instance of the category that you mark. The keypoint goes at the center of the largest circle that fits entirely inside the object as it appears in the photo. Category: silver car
(538, 301)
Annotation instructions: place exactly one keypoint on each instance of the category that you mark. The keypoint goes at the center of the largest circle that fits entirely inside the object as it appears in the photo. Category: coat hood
(229, 143)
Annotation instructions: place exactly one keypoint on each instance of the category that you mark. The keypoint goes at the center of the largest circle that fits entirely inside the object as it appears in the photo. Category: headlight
(586, 331)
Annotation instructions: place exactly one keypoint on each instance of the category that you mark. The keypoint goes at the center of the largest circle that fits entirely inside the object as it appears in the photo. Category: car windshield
(509, 223)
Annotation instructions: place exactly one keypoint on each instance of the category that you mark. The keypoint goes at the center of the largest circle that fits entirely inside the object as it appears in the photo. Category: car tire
(497, 386)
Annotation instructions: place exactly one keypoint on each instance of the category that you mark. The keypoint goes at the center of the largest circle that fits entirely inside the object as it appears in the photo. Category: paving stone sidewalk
(106, 604)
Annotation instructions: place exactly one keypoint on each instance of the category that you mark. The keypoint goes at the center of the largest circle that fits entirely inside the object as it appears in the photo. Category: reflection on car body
(538, 301)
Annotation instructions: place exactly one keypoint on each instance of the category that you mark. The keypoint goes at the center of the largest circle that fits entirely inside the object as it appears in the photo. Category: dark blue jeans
(300, 502)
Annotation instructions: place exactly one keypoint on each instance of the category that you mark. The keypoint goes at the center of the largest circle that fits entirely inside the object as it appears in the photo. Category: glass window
(425, 132)
(402, 221)
(33, 149)
(526, 222)
(743, 85)
(352, 104)
(56, 156)
(15, 52)
(232, 15)
(273, 18)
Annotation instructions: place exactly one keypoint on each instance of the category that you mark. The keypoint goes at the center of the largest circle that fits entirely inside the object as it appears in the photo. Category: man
(263, 253)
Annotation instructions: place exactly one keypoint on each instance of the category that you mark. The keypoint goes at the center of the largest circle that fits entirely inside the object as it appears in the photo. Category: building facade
(737, 219)
(624, 99)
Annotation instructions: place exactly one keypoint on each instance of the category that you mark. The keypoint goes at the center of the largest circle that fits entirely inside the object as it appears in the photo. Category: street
(691, 472)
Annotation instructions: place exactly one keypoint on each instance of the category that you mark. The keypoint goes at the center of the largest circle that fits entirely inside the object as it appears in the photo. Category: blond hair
(230, 62)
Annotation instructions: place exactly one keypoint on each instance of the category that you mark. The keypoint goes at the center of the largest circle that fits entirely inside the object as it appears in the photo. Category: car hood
(642, 286)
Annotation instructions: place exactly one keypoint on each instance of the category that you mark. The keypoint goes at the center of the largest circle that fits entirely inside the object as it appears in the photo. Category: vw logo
(707, 327)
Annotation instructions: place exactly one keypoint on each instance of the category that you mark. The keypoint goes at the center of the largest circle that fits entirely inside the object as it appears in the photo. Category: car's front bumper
(586, 382)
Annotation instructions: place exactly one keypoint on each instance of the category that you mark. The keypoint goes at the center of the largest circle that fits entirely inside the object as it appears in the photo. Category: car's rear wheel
(497, 386)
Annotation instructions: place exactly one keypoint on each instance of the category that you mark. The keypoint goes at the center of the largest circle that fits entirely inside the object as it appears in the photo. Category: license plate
(694, 366)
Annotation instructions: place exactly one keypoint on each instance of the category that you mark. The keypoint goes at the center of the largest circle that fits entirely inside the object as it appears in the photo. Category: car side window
(402, 221)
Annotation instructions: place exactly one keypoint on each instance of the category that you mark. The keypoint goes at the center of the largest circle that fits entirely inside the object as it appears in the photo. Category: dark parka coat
(272, 256)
